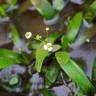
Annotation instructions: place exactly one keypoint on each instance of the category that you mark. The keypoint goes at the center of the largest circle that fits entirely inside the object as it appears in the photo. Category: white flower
(47, 29)
(28, 35)
(48, 47)
(87, 40)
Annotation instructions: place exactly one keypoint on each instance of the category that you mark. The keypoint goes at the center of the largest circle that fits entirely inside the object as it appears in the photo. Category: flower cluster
(38, 37)
(48, 47)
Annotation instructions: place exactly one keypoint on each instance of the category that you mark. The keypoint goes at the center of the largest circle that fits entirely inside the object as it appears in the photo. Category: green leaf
(94, 70)
(93, 5)
(58, 4)
(73, 29)
(73, 71)
(14, 33)
(63, 56)
(2, 12)
(11, 54)
(6, 62)
(44, 8)
(12, 2)
(41, 54)
(47, 92)
(74, 26)
(51, 74)
(6, 54)
(80, 93)
(56, 48)
(14, 80)
(94, 73)
(34, 44)
(4, 6)
(91, 12)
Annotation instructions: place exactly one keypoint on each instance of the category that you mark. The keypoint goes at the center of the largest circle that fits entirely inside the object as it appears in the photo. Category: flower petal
(45, 47)
(50, 49)
(28, 35)
(49, 44)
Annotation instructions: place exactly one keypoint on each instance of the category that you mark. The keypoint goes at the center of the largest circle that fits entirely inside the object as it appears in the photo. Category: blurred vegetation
(49, 55)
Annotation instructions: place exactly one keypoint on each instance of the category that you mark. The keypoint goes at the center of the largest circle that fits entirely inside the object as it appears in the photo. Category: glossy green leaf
(93, 5)
(14, 80)
(12, 2)
(8, 57)
(91, 12)
(4, 6)
(2, 12)
(41, 54)
(6, 62)
(73, 29)
(56, 48)
(74, 26)
(80, 93)
(44, 8)
(73, 71)
(17, 58)
(51, 74)
(34, 45)
(9, 54)
(14, 33)
(94, 73)
(58, 4)
(62, 57)
(94, 69)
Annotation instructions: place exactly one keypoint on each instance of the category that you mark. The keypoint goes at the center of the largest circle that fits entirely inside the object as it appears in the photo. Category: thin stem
(63, 79)
(47, 33)
(36, 39)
